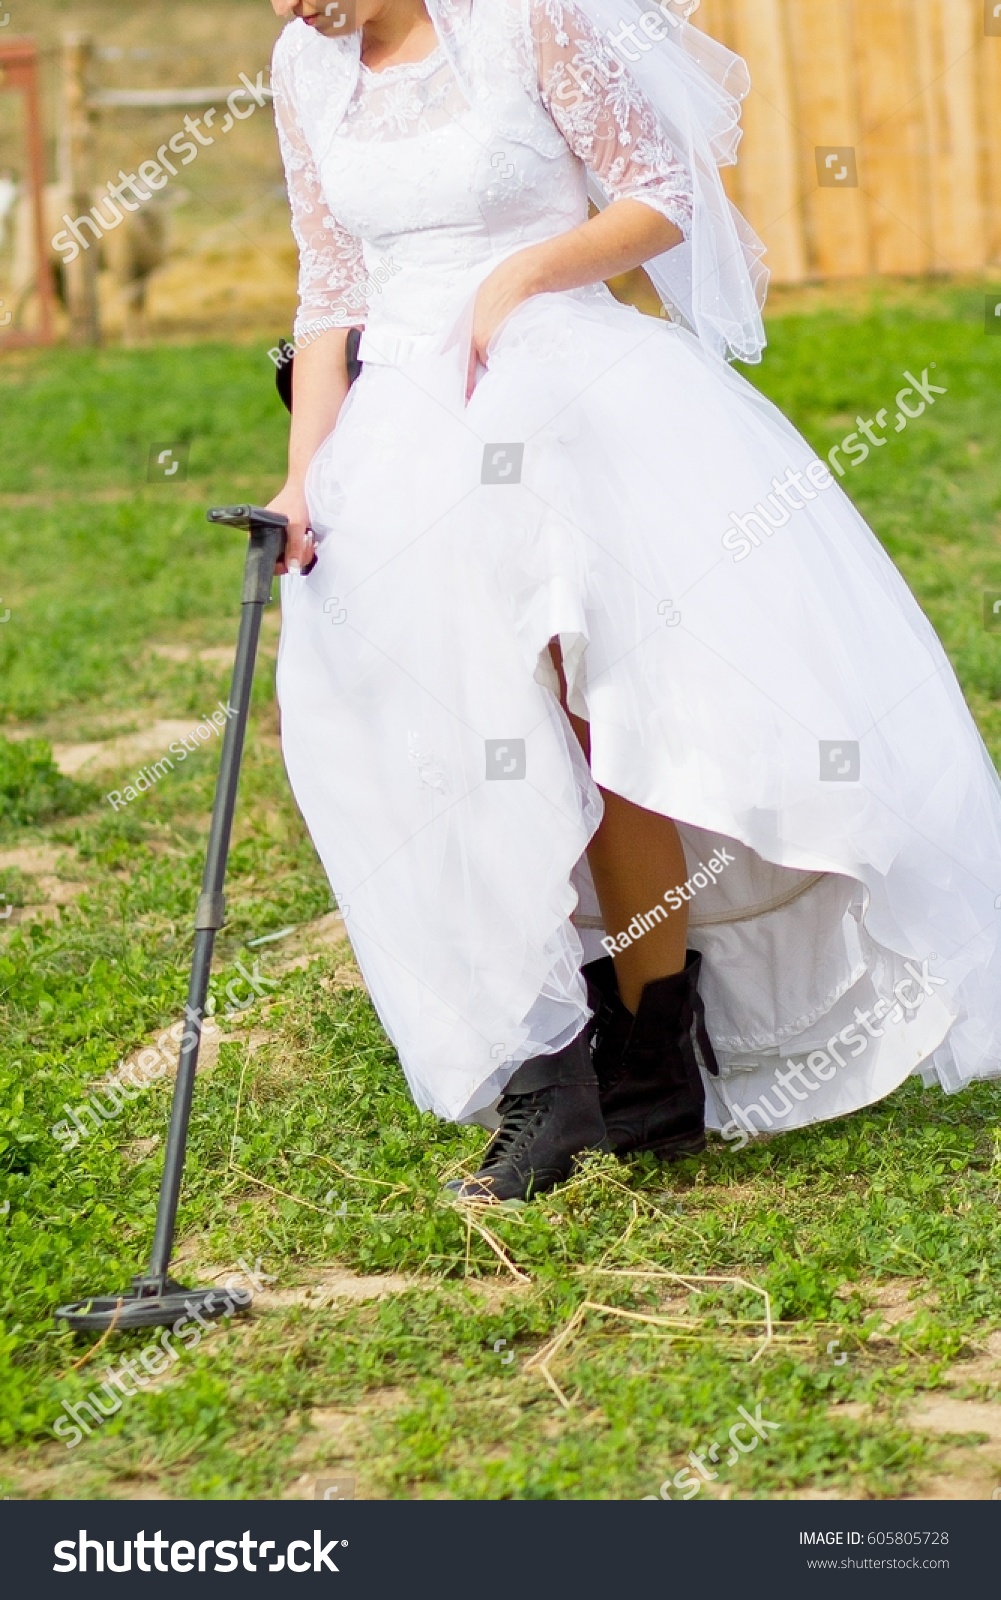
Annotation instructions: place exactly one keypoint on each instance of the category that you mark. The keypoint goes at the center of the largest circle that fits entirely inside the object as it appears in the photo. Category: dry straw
(686, 1328)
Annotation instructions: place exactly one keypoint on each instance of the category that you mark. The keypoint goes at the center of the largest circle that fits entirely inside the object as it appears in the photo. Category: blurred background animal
(8, 195)
(132, 252)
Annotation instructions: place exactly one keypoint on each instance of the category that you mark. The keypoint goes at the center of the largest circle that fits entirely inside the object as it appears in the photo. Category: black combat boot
(549, 1115)
(651, 1091)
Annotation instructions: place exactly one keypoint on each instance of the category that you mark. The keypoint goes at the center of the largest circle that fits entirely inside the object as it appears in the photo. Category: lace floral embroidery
(603, 116)
(331, 270)
(405, 101)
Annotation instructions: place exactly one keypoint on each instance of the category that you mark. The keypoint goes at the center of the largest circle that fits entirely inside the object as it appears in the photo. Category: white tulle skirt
(770, 684)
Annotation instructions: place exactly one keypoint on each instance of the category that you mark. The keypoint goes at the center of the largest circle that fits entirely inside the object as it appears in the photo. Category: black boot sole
(684, 1144)
(475, 1191)
(666, 1146)
(465, 1189)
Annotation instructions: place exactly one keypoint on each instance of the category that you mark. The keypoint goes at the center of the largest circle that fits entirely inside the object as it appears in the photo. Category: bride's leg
(635, 856)
(648, 1033)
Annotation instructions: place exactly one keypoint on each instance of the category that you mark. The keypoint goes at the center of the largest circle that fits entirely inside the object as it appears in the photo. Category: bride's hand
(499, 294)
(299, 547)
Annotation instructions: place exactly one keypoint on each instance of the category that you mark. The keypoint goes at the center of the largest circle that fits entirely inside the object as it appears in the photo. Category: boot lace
(610, 1029)
(520, 1115)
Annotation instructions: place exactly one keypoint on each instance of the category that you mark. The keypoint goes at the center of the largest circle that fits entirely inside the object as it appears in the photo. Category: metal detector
(154, 1298)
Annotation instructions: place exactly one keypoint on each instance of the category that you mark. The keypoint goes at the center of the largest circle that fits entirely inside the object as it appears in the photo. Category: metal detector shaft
(267, 545)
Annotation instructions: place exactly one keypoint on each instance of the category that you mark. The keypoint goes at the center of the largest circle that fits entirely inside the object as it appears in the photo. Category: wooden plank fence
(912, 89)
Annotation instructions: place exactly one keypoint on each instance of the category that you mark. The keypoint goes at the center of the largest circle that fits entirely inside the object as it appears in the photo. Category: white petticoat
(852, 940)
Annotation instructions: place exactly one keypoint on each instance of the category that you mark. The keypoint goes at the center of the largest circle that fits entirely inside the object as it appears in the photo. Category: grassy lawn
(392, 1341)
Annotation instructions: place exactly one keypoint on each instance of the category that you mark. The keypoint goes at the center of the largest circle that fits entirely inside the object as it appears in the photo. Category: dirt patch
(329, 1449)
(50, 1472)
(212, 1043)
(854, 1410)
(945, 1414)
(962, 1471)
(983, 1367)
(53, 894)
(138, 1149)
(46, 891)
(33, 859)
(215, 655)
(899, 1300)
(312, 939)
(970, 1471)
(328, 1285)
(130, 750)
(336, 1285)
(37, 1474)
(963, 1483)
(339, 1286)
(895, 1299)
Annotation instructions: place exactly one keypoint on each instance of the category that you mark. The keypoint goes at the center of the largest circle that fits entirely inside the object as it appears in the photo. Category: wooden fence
(912, 88)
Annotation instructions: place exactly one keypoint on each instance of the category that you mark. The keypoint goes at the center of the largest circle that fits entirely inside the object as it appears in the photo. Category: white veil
(716, 281)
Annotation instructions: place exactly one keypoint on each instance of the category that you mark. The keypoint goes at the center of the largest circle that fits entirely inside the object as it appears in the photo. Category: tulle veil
(715, 283)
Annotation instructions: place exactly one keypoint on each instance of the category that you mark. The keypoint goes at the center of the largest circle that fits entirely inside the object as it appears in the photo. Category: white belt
(384, 349)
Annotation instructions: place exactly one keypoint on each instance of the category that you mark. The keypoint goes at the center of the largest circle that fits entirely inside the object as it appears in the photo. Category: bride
(615, 729)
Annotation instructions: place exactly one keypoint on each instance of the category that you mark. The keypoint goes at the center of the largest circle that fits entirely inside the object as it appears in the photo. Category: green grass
(316, 1122)
(32, 789)
(101, 561)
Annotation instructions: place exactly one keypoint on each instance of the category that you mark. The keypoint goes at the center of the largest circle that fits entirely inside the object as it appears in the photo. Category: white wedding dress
(780, 695)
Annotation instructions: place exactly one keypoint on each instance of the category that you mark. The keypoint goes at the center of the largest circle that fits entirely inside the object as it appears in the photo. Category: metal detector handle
(265, 548)
(256, 521)
(247, 517)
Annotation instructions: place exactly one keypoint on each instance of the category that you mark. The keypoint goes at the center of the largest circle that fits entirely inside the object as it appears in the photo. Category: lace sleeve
(332, 278)
(603, 116)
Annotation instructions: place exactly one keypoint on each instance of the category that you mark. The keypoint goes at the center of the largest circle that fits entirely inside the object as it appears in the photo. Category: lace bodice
(406, 191)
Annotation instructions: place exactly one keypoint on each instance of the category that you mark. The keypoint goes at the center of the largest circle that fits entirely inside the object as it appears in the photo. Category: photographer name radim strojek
(675, 898)
(146, 777)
